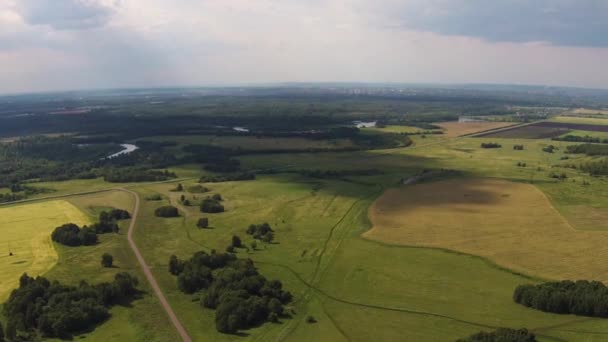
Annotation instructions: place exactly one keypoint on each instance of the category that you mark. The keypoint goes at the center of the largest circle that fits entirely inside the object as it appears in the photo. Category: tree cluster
(595, 168)
(166, 211)
(501, 335)
(211, 205)
(261, 232)
(582, 297)
(56, 310)
(491, 145)
(242, 297)
(518, 147)
(71, 235)
(549, 149)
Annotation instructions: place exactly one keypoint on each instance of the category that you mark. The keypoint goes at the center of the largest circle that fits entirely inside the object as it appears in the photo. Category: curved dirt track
(151, 280)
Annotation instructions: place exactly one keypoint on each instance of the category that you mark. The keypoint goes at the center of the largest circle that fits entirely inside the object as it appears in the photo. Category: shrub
(155, 197)
(203, 222)
(490, 145)
(236, 241)
(261, 232)
(198, 189)
(518, 147)
(106, 260)
(166, 211)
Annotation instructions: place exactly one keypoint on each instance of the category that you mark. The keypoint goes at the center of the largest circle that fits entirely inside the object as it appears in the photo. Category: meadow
(455, 128)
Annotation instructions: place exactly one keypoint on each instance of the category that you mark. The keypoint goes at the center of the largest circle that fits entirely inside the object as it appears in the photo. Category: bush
(155, 197)
(210, 205)
(236, 241)
(166, 211)
(518, 147)
(107, 260)
(490, 145)
(217, 197)
(549, 149)
(585, 298)
(203, 222)
(501, 335)
(261, 232)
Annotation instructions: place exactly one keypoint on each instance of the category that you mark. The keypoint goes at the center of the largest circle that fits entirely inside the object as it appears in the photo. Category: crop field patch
(26, 232)
(543, 130)
(512, 224)
(456, 129)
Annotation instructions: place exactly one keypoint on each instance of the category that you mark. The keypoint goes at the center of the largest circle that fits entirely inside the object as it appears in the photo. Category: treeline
(501, 335)
(490, 145)
(128, 175)
(51, 309)
(588, 149)
(585, 139)
(227, 178)
(242, 298)
(582, 297)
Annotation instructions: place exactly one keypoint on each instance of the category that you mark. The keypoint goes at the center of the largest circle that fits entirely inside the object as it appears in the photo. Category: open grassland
(253, 143)
(580, 120)
(395, 129)
(456, 129)
(26, 232)
(586, 111)
(143, 319)
(513, 224)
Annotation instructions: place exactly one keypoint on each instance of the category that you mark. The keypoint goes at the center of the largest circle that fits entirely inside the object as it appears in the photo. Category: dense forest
(501, 335)
(51, 309)
(582, 297)
(242, 298)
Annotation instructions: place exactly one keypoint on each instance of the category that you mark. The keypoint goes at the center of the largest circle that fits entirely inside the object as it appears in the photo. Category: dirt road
(161, 297)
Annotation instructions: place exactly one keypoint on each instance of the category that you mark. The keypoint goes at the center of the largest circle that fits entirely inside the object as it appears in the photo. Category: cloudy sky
(85, 44)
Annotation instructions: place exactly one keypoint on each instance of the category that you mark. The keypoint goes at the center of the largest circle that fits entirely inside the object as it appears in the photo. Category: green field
(581, 120)
(355, 288)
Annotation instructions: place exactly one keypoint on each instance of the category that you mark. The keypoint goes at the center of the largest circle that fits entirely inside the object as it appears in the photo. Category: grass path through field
(146, 269)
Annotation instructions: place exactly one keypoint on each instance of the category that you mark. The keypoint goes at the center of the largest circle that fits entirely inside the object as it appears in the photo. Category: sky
(49, 45)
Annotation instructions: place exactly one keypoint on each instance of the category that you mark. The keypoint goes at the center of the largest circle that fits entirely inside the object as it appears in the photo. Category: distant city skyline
(54, 45)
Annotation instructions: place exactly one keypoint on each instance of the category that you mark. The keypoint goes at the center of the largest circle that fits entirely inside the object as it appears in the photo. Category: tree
(106, 260)
(217, 197)
(210, 205)
(236, 241)
(179, 187)
(88, 236)
(203, 222)
(176, 266)
(254, 245)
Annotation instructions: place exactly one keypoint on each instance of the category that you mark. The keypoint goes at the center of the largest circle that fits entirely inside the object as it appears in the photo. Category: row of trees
(228, 177)
(586, 139)
(51, 309)
(491, 145)
(242, 297)
(134, 174)
(588, 149)
(582, 297)
(501, 335)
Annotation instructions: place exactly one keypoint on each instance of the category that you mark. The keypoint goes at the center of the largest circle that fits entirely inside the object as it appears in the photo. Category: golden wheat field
(512, 224)
(25, 231)
(456, 129)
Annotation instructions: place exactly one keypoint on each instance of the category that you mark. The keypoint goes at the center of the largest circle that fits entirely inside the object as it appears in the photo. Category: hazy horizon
(67, 45)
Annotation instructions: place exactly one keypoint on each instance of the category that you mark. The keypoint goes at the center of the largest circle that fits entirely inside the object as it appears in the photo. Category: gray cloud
(558, 22)
(65, 14)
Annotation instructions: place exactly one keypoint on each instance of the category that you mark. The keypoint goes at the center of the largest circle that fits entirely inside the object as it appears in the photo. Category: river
(127, 148)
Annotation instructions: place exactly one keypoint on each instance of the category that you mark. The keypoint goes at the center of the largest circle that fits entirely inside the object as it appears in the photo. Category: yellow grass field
(25, 230)
(456, 129)
(512, 224)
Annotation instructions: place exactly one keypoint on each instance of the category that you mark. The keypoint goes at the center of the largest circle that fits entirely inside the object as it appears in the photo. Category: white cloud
(193, 42)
